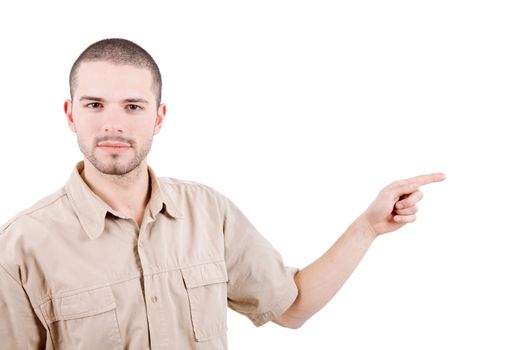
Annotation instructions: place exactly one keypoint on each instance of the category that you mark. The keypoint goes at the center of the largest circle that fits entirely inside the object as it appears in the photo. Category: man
(121, 259)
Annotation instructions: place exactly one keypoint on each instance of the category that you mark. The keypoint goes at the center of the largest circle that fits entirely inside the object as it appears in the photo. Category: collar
(91, 210)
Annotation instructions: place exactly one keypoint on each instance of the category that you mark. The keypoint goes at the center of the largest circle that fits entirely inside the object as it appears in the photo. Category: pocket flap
(201, 275)
(83, 304)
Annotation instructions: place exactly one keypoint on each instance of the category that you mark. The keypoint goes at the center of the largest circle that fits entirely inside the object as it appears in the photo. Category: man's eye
(93, 105)
(133, 107)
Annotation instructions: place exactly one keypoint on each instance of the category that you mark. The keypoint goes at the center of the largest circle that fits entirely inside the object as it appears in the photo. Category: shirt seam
(276, 309)
(175, 181)
(31, 210)
(34, 306)
(10, 275)
(178, 183)
(73, 292)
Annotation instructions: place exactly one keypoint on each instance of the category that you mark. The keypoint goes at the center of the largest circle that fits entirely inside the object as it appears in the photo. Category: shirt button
(154, 299)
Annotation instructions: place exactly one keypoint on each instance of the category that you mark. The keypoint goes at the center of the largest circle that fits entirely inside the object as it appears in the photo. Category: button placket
(151, 296)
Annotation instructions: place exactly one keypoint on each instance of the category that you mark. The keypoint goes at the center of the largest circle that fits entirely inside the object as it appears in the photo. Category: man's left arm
(394, 207)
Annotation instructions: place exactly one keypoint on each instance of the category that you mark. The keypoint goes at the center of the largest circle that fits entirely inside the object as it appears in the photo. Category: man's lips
(114, 146)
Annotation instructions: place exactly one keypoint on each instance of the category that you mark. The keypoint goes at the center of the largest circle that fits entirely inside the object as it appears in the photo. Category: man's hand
(318, 282)
(395, 205)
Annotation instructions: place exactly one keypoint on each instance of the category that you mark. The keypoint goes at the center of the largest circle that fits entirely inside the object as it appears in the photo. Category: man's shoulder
(188, 192)
(180, 182)
(26, 230)
(45, 204)
(177, 184)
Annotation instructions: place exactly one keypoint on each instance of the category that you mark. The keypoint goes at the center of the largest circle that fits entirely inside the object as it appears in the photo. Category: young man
(121, 259)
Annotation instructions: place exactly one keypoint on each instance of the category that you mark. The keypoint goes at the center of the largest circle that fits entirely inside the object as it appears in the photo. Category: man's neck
(127, 194)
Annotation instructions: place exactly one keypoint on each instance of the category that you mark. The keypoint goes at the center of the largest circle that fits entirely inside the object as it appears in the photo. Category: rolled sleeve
(260, 286)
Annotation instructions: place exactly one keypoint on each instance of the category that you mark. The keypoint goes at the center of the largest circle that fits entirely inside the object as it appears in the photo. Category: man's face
(114, 114)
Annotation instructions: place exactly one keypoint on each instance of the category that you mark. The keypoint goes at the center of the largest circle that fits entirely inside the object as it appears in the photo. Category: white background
(300, 112)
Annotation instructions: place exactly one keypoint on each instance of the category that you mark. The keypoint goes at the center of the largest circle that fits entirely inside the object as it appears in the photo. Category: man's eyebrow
(136, 100)
(91, 98)
(127, 100)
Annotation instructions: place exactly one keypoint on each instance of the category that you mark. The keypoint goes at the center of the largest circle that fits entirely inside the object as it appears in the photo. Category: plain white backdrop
(300, 112)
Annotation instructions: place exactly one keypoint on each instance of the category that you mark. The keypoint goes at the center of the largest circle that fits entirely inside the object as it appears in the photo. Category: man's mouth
(114, 146)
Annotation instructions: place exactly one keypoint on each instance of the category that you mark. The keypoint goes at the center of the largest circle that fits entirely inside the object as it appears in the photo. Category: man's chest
(162, 285)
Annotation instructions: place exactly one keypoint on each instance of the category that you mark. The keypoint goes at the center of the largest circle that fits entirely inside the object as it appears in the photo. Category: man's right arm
(20, 328)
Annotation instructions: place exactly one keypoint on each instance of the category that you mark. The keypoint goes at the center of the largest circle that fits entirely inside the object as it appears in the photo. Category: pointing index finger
(427, 179)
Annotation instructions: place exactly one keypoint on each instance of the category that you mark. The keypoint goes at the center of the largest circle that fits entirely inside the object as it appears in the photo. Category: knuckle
(403, 182)
(407, 203)
(390, 187)
(407, 211)
(398, 183)
(411, 187)
(388, 192)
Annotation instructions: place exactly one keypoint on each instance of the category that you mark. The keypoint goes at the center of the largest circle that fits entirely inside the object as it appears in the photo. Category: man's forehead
(100, 77)
(109, 65)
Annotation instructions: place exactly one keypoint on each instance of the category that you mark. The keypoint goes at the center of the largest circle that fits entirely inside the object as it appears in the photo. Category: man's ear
(161, 113)
(68, 110)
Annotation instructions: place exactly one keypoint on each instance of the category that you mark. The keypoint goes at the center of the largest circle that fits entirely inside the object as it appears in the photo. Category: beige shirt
(75, 274)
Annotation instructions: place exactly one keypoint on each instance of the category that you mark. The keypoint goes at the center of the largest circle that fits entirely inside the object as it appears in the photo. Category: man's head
(115, 105)
(119, 52)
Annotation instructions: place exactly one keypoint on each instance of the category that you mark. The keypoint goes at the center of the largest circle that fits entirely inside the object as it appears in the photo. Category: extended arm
(394, 207)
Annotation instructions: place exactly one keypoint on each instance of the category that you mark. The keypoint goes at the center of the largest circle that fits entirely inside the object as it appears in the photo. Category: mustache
(114, 139)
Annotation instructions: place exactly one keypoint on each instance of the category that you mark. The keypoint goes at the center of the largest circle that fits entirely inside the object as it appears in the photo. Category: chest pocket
(86, 320)
(207, 296)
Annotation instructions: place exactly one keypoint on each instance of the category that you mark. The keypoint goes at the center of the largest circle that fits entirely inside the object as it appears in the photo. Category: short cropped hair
(118, 51)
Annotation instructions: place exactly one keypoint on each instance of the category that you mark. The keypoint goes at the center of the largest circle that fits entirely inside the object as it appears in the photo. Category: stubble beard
(117, 165)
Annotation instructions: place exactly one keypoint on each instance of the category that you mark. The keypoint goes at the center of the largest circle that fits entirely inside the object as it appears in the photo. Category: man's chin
(115, 168)
(115, 171)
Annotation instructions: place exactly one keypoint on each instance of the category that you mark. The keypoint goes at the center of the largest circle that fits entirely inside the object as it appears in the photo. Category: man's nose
(114, 121)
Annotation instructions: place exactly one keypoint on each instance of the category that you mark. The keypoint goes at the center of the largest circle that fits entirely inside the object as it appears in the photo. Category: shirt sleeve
(260, 286)
(19, 326)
